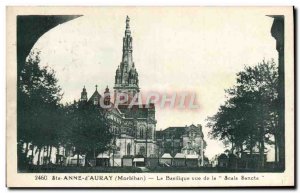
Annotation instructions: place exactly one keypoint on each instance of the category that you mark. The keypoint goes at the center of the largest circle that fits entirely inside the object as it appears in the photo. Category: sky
(174, 49)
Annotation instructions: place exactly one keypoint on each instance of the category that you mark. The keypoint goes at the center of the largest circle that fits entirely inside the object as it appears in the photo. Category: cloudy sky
(174, 49)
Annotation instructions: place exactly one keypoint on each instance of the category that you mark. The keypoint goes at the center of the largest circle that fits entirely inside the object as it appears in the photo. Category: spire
(127, 64)
(127, 31)
(127, 40)
(126, 78)
(96, 87)
(127, 21)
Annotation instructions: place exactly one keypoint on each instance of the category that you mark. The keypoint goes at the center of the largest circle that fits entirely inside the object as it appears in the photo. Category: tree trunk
(276, 149)
(77, 159)
(251, 161)
(86, 160)
(47, 156)
(39, 157)
(242, 151)
(57, 154)
(32, 154)
(50, 154)
(26, 150)
(262, 151)
(113, 157)
(251, 145)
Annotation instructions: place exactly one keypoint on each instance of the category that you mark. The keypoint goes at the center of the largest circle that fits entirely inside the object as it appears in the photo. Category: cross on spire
(96, 86)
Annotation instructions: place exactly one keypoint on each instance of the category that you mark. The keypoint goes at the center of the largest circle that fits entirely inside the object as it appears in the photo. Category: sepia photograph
(150, 96)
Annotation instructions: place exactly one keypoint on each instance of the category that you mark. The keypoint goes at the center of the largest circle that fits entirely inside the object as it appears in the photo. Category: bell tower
(83, 94)
(126, 78)
(106, 96)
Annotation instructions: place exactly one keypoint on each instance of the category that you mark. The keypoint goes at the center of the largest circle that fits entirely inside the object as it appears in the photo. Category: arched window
(142, 133)
(128, 148)
(142, 151)
(149, 133)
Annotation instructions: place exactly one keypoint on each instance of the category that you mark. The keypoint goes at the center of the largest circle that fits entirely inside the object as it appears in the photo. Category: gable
(95, 95)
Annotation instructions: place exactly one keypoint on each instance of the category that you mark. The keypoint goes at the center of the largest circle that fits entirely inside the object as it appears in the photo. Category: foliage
(42, 121)
(249, 116)
(87, 127)
(38, 99)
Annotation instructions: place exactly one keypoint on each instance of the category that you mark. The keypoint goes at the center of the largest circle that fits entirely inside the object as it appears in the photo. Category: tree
(249, 117)
(88, 129)
(38, 97)
(43, 122)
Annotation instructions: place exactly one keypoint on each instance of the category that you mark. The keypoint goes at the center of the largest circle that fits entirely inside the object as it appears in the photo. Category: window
(142, 151)
(95, 101)
(128, 148)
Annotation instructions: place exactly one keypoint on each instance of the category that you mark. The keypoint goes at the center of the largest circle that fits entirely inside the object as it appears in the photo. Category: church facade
(134, 126)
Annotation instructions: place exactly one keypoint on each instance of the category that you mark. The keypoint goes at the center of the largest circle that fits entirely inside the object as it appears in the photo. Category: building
(133, 127)
(188, 140)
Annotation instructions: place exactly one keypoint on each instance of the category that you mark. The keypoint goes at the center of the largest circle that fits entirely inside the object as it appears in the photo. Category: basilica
(133, 128)
(136, 141)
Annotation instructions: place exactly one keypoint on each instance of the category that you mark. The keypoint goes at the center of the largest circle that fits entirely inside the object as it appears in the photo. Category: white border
(5, 3)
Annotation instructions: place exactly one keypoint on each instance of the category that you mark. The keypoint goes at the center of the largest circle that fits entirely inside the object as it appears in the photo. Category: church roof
(96, 94)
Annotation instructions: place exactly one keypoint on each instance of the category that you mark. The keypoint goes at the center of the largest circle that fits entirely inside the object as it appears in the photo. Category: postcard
(150, 97)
